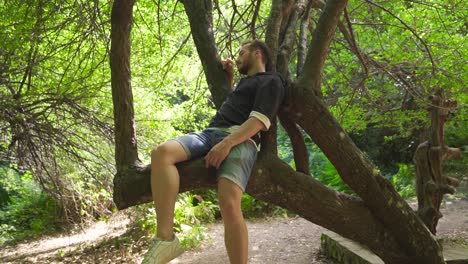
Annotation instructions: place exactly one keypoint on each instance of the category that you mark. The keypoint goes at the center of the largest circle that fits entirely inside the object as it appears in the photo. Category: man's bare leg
(235, 229)
(165, 184)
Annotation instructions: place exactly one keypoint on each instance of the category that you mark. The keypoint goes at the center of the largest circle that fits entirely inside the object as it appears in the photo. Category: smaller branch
(301, 155)
(287, 42)
(168, 66)
(273, 30)
(302, 46)
(349, 35)
(254, 19)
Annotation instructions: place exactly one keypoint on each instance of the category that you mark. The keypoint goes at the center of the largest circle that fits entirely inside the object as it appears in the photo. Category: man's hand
(228, 67)
(217, 154)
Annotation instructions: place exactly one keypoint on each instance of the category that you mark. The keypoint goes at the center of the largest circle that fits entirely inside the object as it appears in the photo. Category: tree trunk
(379, 219)
(431, 185)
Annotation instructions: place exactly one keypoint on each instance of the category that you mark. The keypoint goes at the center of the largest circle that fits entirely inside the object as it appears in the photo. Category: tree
(51, 77)
(378, 218)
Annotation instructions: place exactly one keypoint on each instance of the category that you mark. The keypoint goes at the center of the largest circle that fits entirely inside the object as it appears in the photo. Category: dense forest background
(56, 121)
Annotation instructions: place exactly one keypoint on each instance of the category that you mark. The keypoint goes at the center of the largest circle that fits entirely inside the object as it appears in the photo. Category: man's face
(245, 60)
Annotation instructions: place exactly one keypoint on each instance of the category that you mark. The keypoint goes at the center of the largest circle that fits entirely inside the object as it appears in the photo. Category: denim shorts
(238, 164)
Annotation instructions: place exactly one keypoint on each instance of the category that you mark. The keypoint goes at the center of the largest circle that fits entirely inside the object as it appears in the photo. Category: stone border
(346, 251)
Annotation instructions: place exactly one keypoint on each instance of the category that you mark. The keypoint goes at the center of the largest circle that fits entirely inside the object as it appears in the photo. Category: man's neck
(256, 69)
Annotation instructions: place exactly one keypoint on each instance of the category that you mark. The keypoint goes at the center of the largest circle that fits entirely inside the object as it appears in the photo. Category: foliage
(251, 207)
(404, 180)
(55, 118)
(406, 50)
(30, 212)
(191, 212)
(456, 127)
(319, 165)
(254, 208)
(171, 95)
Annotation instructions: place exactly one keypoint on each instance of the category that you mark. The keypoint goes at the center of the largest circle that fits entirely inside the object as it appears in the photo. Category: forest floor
(272, 240)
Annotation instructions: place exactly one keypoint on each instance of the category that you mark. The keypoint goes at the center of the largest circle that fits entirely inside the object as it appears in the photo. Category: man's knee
(230, 208)
(170, 152)
(161, 153)
(230, 201)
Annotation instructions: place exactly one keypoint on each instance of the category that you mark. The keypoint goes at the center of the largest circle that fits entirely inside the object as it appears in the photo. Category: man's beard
(245, 67)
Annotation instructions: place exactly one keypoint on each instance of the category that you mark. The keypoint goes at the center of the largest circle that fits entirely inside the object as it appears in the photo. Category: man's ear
(258, 54)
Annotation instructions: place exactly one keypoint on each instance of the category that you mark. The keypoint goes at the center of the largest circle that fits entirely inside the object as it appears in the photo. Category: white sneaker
(163, 251)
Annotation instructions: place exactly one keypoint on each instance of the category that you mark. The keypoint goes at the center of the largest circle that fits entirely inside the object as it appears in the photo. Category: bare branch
(253, 30)
(301, 155)
(272, 39)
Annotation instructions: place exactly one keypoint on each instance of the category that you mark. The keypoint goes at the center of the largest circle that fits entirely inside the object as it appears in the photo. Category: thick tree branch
(379, 195)
(126, 153)
(294, 191)
(200, 15)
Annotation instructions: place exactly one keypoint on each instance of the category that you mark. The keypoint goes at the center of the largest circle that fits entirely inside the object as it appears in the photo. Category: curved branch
(301, 155)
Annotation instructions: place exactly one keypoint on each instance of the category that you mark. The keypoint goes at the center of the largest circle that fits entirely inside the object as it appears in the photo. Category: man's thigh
(237, 166)
(196, 145)
(229, 193)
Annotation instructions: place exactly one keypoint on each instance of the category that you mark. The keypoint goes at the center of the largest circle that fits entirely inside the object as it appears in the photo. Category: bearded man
(229, 144)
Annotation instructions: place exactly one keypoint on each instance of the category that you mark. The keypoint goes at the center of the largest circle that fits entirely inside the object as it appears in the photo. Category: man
(229, 146)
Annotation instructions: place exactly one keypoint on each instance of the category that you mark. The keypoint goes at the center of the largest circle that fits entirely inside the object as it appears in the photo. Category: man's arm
(221, 150)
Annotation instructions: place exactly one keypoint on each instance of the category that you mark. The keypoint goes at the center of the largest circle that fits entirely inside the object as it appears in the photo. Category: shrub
(30, 212)
(191, 212)
(404, 180)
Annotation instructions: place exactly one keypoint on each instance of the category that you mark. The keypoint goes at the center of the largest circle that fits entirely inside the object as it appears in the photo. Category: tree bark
(431, 184)
(126, 153)
(318, 50)
(200, 15)
(378, 194)
(274, 181)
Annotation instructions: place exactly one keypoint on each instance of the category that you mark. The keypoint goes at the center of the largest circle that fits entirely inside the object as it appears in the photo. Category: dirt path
(272, 240)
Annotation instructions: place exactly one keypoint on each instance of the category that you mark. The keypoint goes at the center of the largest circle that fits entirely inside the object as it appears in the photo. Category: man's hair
(262, 47)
